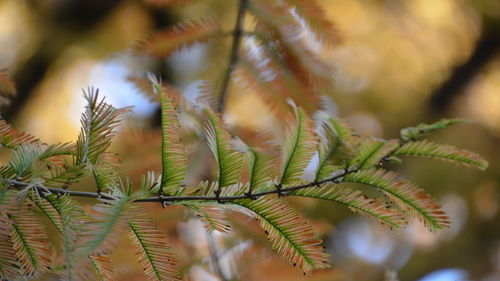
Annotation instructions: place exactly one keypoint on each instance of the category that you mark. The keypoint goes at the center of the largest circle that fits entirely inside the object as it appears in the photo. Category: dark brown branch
(168, 199)
(233, 59)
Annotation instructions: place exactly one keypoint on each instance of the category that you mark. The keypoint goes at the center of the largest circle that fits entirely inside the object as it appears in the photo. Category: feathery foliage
(152, 250)
(426, 148)
(335, 146)
(419, 131)
(290, 235)
(12, 138)
(357, 202)
(274, 60)
(174, 159)
(29, 241)
(98, 124)
(164, 43)
(229, 160)
(212, 217)
(406, 195)
(299, 148)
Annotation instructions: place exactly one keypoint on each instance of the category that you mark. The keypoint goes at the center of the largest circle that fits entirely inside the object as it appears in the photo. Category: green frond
(23, 158)
(30, 242)
(110, 219)
(72, 221)
(7, 88)
(357, 202)
(98, 127)
(300, 145)
(58, 149)
(213, 217)
(259, 164)
(150, 183)
(314, 16)
(371, 151)
(409, 197)
(106, 171)
(152, 250)
(229, 160)
(335, 146)
(7, 172)
(46, 207)
(11, 138)
(426, 148)
(9, 265)
(64, 176)
(164, 43)
(103, 267)
(419, 131)
(6, 196)
(174, 159)
(291, 236)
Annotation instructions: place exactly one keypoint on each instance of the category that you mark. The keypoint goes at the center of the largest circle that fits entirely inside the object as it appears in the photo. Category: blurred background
(402, 62)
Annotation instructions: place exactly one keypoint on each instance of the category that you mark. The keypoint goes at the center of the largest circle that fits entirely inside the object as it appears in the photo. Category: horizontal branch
(169, 199)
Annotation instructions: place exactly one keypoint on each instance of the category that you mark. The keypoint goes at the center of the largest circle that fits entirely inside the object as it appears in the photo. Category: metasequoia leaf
(260, 168)
(7, 172)
(299, 148)
(409, 197)
(47, 208)
(426, 148)
(335, 146)
(11, 138)
(213, 217)
(98, 122)
(106, 171)
(291, 236)
(23, 158)
(57, 149)
(174, 160)
(153, 250)
(9, 266)
(419, 131)
(111, 218)
(314, 16)
(259, 164)
(164, 43)
(30, 242)
(229, 160)
(357, 202)
(7, 87)
(72, 220)
(65, 176)
(103, 267)
(371, 151)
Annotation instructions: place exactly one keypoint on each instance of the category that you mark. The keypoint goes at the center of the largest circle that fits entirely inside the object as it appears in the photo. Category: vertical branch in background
(214, 256)
(233, 59)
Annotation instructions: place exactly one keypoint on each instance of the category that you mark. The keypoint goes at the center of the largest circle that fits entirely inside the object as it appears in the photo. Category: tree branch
(233, 59)
(168, 199)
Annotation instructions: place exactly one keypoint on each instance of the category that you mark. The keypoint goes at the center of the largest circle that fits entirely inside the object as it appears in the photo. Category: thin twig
(233, 58)
(254, 196)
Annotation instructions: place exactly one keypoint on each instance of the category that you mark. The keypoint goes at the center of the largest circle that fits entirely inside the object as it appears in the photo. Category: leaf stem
(254, 196)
